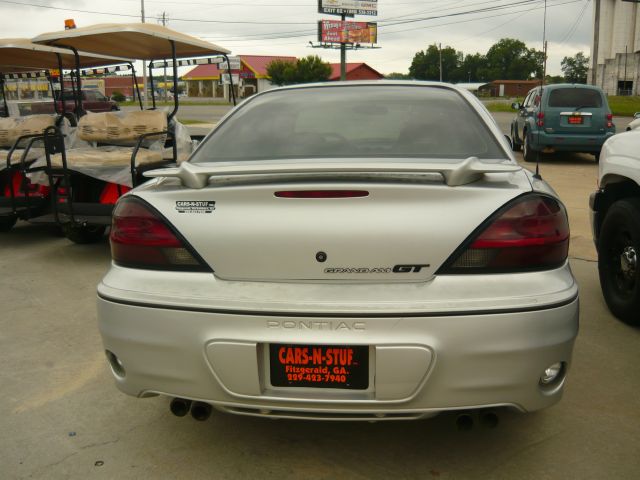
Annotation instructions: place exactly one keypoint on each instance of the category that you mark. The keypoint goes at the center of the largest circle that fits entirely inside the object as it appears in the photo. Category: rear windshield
(353, 121)
(575, 97)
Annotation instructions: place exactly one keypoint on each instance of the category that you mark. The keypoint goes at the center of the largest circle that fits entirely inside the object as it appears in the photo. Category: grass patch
(499, 107)
(624, 106)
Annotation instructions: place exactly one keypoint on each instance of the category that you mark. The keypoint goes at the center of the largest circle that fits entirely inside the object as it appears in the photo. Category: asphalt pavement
(64, 418)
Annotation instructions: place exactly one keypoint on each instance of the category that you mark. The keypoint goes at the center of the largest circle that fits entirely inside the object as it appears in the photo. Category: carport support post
(343, 57)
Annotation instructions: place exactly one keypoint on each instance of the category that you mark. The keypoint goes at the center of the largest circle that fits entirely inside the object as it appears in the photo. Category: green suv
(563, 117)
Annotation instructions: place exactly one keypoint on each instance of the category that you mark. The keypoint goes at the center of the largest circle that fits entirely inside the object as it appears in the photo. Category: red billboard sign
(333, 31)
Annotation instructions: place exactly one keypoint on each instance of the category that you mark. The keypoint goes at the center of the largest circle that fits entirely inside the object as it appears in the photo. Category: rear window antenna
(544, 74)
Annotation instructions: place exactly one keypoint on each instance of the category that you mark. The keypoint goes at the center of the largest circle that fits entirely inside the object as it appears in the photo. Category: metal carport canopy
(140, 41)
(20, 55)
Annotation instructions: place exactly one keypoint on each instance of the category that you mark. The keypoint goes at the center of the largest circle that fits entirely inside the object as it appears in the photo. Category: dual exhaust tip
(487, 419)
(200, 411)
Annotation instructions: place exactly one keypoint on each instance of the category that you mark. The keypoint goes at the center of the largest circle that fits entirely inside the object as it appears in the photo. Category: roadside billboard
(336, 31)
(348, 7)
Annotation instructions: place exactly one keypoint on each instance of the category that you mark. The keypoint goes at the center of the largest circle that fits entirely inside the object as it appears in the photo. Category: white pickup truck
(635, 123)
(615, 221)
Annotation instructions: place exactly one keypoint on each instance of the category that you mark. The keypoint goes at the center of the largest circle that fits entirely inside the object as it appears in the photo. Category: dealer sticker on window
(186, 206)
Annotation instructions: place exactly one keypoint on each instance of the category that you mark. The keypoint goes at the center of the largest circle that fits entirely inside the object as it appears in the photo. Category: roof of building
(256, 63)
(471, 86)
(350, 67)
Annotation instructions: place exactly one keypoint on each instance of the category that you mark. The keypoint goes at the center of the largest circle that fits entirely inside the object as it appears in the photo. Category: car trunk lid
(396, 227)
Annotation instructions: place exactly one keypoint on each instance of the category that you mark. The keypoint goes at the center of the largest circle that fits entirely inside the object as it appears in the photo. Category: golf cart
(121, 147)
(21, 136)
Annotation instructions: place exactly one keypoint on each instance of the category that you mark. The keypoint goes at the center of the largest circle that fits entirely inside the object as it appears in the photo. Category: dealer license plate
(319, 366)
(575, 120)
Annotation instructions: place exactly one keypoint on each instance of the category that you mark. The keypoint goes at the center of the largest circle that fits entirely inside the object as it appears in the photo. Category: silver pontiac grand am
(344, 251)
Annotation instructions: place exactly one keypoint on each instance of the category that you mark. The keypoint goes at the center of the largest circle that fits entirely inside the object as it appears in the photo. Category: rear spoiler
(455, 174)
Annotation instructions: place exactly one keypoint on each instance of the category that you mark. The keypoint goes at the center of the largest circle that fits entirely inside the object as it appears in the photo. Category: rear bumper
(419, 365)
(569, 142)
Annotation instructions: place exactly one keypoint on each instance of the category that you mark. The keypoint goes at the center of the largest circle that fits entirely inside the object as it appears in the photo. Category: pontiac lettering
(315, 325)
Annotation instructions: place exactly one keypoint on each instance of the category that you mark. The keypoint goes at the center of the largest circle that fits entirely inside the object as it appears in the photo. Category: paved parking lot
(64, 418)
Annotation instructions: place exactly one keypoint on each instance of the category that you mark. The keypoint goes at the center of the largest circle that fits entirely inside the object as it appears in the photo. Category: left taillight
(609, 118)
(142, 238)
(530, 233)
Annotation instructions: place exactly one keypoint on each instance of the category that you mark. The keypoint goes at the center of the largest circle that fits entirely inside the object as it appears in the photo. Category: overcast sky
(285, 27)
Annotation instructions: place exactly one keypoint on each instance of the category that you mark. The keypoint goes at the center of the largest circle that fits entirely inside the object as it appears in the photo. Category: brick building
(355, 71)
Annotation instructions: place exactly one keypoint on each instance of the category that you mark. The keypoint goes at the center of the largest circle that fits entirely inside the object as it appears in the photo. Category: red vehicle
(92, 101)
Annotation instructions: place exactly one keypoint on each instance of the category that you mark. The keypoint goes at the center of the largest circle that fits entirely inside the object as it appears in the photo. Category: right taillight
(530, 233)
(141, 238)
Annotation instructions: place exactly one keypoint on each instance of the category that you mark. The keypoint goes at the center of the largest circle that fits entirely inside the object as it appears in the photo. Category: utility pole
(624, 83)
(144, 65)
(343, 55)
(440, 51)
(596, 40)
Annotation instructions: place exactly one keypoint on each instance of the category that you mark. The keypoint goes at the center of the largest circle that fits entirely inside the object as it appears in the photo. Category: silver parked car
(353, 251)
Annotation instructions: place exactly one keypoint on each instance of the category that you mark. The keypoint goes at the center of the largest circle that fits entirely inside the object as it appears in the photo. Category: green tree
(281, 72)
(551, 79)
(426, 64)
(305, 70)
(471, 67)
(397, 76)
(575, 68)
(312, 69)
(117, 96)
(510, 59)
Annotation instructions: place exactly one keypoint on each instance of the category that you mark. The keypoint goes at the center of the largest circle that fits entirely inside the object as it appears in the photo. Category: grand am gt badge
(186, 206)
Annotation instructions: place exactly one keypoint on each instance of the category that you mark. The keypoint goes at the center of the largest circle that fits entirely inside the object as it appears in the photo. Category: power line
(306, 33)
(292, 34)
(51, 7)
(575, 25)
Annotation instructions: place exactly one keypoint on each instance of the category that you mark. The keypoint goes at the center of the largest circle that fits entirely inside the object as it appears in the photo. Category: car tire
(528, 154)
(83, 234)
(618, 249)
(7, 223)
(597, 157)
(515, 146)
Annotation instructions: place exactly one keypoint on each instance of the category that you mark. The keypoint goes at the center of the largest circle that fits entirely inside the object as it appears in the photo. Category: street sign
(224, 79)
(233, 61)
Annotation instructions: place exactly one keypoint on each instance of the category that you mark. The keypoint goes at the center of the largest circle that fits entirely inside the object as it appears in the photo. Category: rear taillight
(540, 121)
(609, 120)
(530, 233)
(142, 238)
